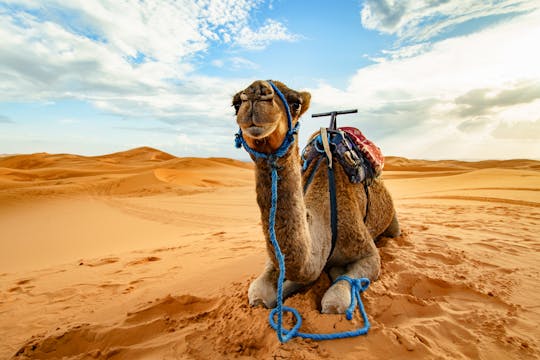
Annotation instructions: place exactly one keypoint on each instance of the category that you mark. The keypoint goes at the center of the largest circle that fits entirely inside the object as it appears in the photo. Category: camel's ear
(298, 102)
(236, 102)
(306, 99)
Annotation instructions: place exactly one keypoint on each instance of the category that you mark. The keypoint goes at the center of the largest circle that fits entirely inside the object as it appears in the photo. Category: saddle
(360, 158)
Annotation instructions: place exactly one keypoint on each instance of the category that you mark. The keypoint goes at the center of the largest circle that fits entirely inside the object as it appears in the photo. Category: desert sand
(142, 255)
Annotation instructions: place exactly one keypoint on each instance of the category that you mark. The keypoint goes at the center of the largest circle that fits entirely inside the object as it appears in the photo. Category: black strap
(312, 174)
(333, 208)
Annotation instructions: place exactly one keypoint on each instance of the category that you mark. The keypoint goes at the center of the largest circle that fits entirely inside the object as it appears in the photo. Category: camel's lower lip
(256, 132)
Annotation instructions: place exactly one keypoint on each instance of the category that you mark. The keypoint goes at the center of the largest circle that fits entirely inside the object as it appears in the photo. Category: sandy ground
(141, 255)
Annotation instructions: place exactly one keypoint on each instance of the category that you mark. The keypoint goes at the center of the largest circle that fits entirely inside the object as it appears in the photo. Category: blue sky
(431, 79)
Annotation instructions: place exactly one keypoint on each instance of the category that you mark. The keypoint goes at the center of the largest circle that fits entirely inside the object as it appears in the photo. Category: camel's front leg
(262, 291)
(337, 298)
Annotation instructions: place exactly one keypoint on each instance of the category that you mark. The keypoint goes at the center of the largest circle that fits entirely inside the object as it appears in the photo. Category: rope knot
(238, 140)
(358, 286)
(273, 163)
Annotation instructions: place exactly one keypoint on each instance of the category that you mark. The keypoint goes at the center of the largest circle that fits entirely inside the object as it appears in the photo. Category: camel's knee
(366, 267)
(335, 271)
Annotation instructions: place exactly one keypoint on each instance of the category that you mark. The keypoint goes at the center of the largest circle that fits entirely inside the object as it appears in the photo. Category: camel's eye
(296, 106)
(295, 103)
(236, 107)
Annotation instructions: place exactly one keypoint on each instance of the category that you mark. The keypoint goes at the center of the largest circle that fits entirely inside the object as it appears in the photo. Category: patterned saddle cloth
(361, 159)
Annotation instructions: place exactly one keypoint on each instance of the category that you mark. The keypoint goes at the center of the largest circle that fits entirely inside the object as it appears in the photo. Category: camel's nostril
(266, 91)
(260, 90)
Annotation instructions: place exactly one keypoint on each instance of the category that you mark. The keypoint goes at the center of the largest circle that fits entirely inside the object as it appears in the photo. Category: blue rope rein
(357, 285)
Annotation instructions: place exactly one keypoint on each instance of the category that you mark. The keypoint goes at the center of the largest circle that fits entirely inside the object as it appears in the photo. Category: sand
(142, 255)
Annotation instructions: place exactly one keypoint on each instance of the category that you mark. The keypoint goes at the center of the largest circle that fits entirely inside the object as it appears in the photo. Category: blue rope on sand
(357, 285)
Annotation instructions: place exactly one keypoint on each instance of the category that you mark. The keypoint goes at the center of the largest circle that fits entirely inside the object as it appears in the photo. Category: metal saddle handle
(333, 115)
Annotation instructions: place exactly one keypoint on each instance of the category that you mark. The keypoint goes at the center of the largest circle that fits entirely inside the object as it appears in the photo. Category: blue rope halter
(289, 137)
(357, 285)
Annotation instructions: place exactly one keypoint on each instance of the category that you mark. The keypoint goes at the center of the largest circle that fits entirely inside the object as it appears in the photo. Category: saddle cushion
(371, 151)
(360, 158)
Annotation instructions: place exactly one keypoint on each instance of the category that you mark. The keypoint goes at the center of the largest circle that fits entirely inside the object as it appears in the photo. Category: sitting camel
(302, 222)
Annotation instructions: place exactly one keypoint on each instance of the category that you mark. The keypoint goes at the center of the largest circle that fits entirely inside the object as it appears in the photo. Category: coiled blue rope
(357, 285)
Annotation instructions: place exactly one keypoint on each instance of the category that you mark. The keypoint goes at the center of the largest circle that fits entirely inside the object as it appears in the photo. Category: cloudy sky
(431, 79)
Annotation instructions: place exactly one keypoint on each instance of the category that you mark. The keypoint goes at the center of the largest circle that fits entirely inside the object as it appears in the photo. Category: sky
(432, 79)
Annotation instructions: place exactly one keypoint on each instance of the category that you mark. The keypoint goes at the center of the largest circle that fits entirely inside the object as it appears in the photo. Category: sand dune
(140, 254)
(403, 164)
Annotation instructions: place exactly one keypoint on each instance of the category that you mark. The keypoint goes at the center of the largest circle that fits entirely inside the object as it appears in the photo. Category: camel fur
(302, 222)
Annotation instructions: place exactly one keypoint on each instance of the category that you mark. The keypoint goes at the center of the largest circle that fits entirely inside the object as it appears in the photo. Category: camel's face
(261, 114)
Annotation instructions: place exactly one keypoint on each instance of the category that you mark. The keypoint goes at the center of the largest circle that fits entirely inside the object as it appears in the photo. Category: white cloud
(406, 51)
(272, 30)
(475, 124)
(195, 144)
(519, 131)
(235, 63)
(448, 100)
(131, 58)
(421, 20)
(218, 63)
(238, 62)
(185, 140)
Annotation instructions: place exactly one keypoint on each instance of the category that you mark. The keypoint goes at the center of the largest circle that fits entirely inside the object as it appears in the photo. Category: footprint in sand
(450, 258)
(168, 249)
(420, 227)
(20, 286)
(403, 239)
(131, 286)
(219, 236)
(23, 282)
(144, 260)
(100, 262)
(128, 290)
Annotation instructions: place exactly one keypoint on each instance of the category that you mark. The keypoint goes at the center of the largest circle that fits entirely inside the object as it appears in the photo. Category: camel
(302, 223)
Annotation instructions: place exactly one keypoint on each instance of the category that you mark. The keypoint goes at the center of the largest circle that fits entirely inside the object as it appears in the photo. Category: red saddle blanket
(370, 150)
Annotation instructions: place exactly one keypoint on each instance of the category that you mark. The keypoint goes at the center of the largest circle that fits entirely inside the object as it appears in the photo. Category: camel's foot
(337, 298)
(261, 292)
(393, 229)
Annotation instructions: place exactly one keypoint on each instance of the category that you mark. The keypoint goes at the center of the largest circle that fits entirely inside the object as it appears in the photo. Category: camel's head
(261, 114)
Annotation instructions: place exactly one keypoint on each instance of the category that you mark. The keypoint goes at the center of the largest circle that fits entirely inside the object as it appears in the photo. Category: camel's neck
(302, 258)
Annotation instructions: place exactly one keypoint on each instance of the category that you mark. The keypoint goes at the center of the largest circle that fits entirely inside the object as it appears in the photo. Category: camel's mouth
(258, 132)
